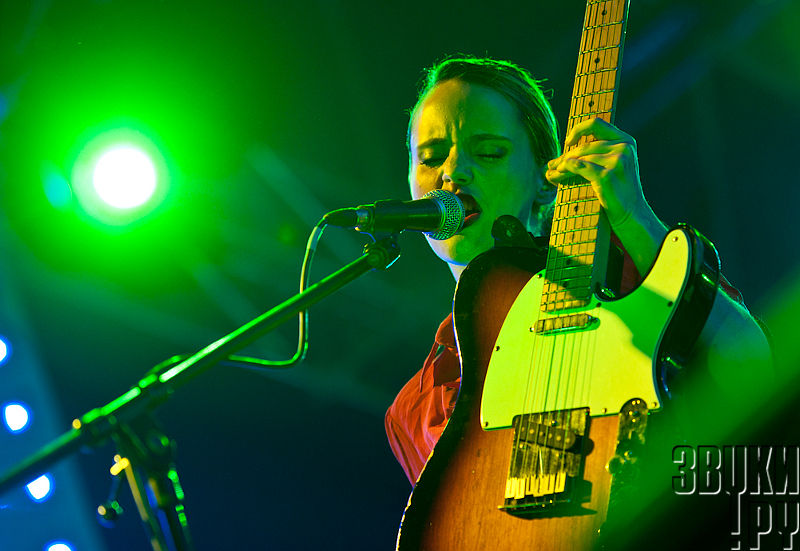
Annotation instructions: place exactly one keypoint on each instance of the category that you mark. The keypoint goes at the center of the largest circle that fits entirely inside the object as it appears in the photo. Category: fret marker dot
(591, 103)
(596, 60)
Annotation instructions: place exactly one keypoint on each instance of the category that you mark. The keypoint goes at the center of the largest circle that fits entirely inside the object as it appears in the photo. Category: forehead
(454, 109)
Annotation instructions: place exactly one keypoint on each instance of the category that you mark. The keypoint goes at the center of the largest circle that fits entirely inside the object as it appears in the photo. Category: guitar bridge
(546, 471)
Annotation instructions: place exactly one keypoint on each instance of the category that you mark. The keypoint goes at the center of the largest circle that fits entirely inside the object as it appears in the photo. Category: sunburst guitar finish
(466, 497)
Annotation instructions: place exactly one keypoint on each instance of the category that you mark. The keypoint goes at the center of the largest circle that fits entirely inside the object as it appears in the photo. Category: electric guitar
(558, 376)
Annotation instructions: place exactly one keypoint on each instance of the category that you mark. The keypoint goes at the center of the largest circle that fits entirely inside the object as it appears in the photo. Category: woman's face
(468, 139)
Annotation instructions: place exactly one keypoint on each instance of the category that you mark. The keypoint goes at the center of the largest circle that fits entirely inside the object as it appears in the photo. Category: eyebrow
(476, 138)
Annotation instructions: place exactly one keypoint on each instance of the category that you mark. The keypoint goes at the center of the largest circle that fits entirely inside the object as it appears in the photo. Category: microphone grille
(453, 213)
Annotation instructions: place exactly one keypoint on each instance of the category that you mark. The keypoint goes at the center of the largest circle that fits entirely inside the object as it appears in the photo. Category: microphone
(439, 214)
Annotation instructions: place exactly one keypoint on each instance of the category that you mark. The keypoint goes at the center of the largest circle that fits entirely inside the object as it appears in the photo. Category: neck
(456, 270)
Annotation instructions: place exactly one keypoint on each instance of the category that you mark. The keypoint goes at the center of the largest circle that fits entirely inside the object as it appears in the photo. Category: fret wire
(569, 205)
(560, 243)
(556, 284)
(575, 216)
(604, 25)
(564, 232)
(601, 40)
(575, 294)
(587, 216)
(568, 215)
(580, 259)
(599, 49)
(582, 292)
(571, 262)
(589, 114)
(584, 258)
(578, 201)
(576, 243)
(563, 304)
(557, 290)
(563, 223)
(579, 290)
(567, 218)
(595, 93)
(575, 188)
(575, 248)
(596, 72)
(572, 208)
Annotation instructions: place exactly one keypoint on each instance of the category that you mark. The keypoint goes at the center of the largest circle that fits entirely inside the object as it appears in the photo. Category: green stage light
(124, 177)
(119, 176)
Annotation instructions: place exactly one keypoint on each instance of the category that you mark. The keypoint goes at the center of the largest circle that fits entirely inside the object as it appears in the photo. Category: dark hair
(515, 84)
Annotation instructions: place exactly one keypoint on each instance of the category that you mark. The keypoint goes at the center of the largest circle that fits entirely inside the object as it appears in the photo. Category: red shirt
(419, 413)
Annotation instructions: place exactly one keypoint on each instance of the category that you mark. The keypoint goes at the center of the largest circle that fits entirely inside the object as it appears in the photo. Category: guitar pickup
(561, 324)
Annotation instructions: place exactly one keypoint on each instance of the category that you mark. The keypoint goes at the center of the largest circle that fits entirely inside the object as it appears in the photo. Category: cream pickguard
(603, 358)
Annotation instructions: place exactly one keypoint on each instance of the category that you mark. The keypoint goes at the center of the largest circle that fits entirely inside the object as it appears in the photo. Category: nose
(457, 169)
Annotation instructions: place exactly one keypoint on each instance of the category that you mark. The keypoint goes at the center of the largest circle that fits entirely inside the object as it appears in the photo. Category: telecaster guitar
(557, 377)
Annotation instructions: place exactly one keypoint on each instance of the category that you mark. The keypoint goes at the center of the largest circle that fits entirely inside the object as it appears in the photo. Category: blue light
(56, 187)
(40, 489)
(16, 417)
(58, 546)
(5, 349)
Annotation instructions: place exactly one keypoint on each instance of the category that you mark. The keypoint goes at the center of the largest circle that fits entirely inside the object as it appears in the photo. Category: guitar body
(545, 443)
(456, 502)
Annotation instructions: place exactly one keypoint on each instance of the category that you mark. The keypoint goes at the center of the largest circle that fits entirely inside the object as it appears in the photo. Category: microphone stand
(146, 453)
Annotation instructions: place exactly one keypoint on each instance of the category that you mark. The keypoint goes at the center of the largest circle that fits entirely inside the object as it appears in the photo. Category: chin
(462, 248)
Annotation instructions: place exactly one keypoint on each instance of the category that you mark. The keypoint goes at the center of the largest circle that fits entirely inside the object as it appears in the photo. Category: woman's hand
(610, 164)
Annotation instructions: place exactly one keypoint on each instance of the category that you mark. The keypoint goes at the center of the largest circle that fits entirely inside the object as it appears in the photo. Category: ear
(547, 193)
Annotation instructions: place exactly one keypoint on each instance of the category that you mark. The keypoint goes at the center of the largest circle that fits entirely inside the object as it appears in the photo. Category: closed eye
(432, 161)
(492, 155)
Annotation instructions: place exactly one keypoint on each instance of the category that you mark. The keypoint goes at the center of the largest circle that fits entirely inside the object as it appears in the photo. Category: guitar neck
(578, 238)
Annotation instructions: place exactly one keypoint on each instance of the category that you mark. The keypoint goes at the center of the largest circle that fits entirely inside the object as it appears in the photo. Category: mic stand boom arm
(120, 418)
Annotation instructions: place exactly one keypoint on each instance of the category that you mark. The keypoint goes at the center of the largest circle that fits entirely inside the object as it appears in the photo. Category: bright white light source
(16, 417)
(58, 546)
(3, 351)
(124, 177)
(41, 488)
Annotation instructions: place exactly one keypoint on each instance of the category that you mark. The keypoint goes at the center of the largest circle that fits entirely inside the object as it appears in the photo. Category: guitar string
(541, 366)
(610, 58)
(559, 342)
(556, 276)
(577, 361)
(585, 366)
(575, 365)
(585, 343)
(571, 358)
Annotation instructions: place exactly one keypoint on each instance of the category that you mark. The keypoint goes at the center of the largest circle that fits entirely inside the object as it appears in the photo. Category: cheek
(519, 195)
(417, 184)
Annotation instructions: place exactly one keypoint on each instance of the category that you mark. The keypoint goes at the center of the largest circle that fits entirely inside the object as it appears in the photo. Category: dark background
(270, 115)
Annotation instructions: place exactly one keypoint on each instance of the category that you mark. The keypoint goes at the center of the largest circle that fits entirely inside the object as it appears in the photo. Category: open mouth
(471, 207)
